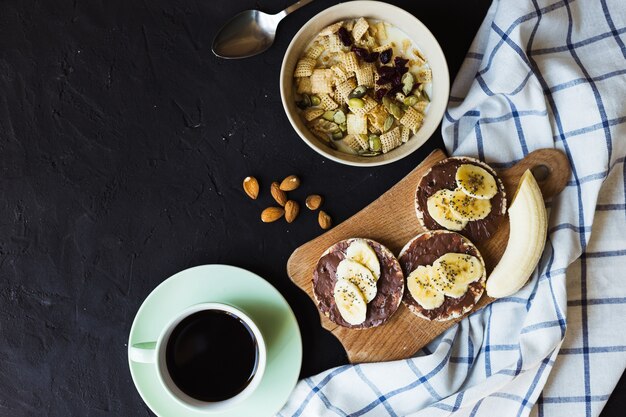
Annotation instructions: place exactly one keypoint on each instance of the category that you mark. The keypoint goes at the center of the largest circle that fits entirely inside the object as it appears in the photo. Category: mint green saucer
(239, 288)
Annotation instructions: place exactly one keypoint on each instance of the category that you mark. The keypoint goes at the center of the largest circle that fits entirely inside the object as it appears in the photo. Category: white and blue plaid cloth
(540, 74)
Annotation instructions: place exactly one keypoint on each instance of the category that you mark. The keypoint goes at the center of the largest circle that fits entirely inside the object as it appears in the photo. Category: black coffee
(211, 355)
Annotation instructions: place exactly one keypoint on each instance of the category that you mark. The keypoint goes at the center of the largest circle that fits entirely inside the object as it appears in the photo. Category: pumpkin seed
(356, 103)
(388, 123)
(407, 83)
(396, 110)
(339, 117)
(386, 102)
(358, 92)
(375, 144)
(425, 94)
(338, 135)
(411, 100)
(305, 102)
(343, 127)
(315, 101)
(329, 115)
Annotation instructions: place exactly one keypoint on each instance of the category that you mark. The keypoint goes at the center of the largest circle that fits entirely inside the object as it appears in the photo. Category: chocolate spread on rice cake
(390, 285)
(442, 175)
(424, 250)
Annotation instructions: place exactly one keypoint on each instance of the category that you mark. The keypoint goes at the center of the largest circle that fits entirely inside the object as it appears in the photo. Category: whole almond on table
(271, 214)
(324, 220)
(314, 201)
(251, 187)
(292, 208)
(279, 195)
(290, 183)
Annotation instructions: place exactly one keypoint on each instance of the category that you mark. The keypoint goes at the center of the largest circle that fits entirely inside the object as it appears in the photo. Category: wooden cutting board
(391, 221)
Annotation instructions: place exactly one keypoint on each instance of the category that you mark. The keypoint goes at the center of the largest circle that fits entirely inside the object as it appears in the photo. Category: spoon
(250, 32)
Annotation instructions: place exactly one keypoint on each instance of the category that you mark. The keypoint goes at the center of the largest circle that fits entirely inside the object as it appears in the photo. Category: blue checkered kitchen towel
(540, 74)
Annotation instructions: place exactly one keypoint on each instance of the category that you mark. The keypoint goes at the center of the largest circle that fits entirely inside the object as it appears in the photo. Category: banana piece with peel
(527, 237)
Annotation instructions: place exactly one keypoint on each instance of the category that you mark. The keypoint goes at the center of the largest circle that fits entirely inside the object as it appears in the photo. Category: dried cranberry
(396, 80)
(360, 52)
(402, 70)
(400, 62)
(386, 71)
(372, 57)
(384, 79)
(344, 36)
(395, 89)
(380, 93)
(385, 56)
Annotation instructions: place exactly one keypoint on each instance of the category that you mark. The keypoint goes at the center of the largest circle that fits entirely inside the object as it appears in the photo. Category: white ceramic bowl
(414, 29)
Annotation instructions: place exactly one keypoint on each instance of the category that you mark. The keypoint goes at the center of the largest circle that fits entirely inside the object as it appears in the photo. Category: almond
(292, 208)
(271, 214)
(251, 187)
(324, 220)
(279, 195)
(314, 201)
(290, 183)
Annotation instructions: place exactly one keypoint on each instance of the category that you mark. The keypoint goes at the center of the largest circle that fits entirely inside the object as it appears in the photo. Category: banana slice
(350, 302)
(468, 208)
(476, 181)
(359, 275)
(363, 253)
(438, 206)
(454, 272)
(419, 283)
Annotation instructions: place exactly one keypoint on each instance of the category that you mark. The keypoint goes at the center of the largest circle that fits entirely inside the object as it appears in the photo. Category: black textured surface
(123, 144)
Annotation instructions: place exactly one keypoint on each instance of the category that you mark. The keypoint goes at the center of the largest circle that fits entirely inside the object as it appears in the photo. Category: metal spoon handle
(292, 8)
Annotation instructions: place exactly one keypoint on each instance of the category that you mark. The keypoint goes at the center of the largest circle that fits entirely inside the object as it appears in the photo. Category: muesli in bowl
(362, 87)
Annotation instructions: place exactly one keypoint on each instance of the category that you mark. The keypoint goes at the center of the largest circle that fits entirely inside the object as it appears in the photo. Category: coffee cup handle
(143, 352)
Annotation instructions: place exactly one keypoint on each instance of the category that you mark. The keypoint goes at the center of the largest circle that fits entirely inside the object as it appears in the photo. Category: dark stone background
(123, 144)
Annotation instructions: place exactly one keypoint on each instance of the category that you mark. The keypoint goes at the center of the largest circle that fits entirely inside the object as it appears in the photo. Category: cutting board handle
(549, 166)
